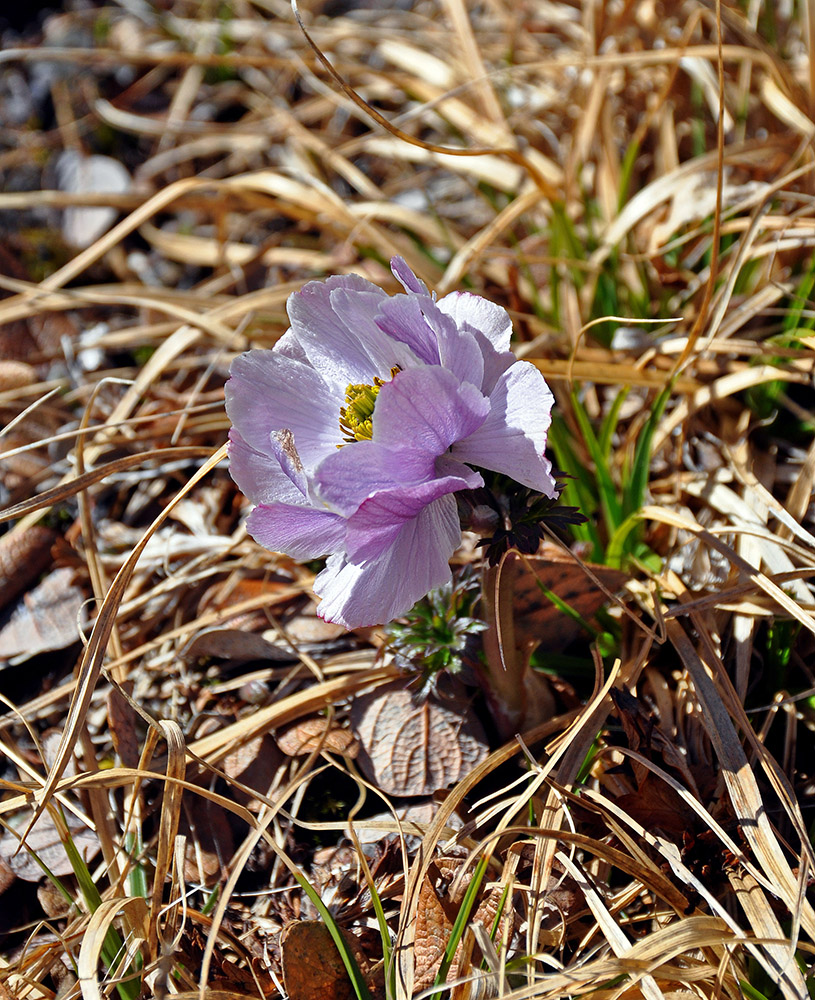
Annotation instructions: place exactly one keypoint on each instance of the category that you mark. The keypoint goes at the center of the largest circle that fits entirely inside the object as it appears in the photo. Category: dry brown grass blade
(92, 661)
(93, 940)
(73, 486)
(509, 153)
(168, 826)
(751, 812)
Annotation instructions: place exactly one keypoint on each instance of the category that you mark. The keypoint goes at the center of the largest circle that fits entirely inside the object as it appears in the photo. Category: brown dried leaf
(233, 644)
(7, 876)
(43, 840)
(45, 619)
(411, 747)
(23, 556)
(210, 843)
(122, 723)
(537, 619)
(254, 764)
(312, 966)
(317, 732)
(15, 374)
(307, 627)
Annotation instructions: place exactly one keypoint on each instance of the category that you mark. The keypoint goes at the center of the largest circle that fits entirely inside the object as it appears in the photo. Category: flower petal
(472, 313)
(300, 532)
(286, 453)
(269, 392)
(346, 478)
(513, 437)
(427, 409)
(407, 278)
(259, 476)
(380, 589)
(418, 322)
(358, 310)
(380, 519)
(337, 345)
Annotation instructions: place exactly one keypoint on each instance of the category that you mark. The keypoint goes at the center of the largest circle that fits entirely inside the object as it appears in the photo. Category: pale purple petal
(388, 586)
(432, 336)
(401, 318)
(491, 328)
(472, 313)
(358, 310)
(513, 437)
(331, 342)
(300, 532)
(259, 476)
(407, 278)
(346, 478)
(289, 346)
(269, 392)
(427, 409)
(380, 519)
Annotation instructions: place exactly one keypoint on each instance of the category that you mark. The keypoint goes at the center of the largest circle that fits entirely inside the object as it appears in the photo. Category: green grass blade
(348, 960)
(462, 918)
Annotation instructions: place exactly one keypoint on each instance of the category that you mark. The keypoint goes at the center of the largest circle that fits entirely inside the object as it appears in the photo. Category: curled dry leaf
(233, 644)
(23, 556)
(79, 174)
(46, 618)
(317, 733)
(307, 627)
(412, 747)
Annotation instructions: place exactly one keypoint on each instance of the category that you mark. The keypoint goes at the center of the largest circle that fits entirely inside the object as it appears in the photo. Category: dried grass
(564, 160)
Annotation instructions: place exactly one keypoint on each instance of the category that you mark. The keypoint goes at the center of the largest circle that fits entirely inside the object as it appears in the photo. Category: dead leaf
(44, 841)
(122, 723)
(253, 764)
(316, 733)
(46, 618)
(305, 626)
(23, 556)
(537, 619)
(312, 966)
(15, 374)
(234, 644)
(412, 747)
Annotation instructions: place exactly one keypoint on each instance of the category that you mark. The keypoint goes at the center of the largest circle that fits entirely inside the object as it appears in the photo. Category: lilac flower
(352, 435)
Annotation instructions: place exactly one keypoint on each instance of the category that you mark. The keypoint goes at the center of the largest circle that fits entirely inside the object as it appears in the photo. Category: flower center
(357, 416)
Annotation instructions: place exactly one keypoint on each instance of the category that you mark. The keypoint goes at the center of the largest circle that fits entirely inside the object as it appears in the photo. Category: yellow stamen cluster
(357, 416)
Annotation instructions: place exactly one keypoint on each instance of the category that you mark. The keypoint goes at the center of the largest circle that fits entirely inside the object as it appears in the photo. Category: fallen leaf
(234, 644)
(312, 966)
(43, 840)
(122, 724)
(23, 556)
(310, 734)
(253, 764)
(305, 626)
(46, 618)
(15, 374)
(412, 747)
(537, 619)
